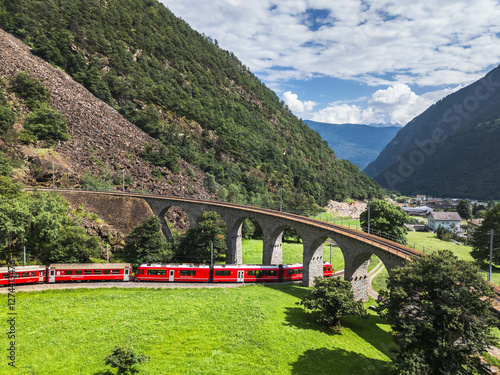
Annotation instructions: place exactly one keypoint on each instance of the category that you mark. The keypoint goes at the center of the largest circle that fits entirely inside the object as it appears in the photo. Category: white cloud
(295, 105)
(396, 104)
(347, 114)
(441, 42)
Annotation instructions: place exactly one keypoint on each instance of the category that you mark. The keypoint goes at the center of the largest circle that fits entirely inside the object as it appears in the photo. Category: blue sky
(355, 61)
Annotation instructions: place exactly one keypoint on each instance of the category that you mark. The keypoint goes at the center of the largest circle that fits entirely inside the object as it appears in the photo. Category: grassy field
(250, 330)
(292, 253)
(429, 239)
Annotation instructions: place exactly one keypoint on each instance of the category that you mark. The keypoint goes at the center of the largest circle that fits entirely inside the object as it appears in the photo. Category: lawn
(292, 253)
(252, 330)
(429, 239)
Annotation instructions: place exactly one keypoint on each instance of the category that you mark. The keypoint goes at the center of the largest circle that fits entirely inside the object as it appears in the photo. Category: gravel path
(39, 287)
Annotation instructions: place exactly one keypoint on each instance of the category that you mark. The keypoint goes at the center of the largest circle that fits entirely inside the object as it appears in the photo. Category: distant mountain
(451, 149)
(360, 144)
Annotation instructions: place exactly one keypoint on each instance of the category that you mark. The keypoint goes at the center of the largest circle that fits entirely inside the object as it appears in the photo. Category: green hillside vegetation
(200, 101)
(253, 329)
(449, 150)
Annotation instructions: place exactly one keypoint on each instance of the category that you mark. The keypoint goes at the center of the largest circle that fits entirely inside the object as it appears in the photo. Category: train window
(222, 273)
(153, 272)
(162, 272)
(188, 273)
(87, 272)
(97, 272)
(106, 272)
(41, 273)
(68, 272)
(78, 272)
(114, 272)
(252, 273)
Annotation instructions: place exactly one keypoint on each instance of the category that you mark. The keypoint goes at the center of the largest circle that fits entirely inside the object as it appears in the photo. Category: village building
(472, 225)
(448, 220)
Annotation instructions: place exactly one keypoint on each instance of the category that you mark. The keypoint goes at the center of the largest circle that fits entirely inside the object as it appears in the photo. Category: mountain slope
(360, 144)
(451, 149)
(197, 100)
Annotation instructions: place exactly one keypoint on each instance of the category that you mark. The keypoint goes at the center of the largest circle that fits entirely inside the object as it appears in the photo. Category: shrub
(46, 124)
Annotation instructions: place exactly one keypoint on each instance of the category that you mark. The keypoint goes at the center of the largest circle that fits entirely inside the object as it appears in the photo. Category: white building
(449, 220)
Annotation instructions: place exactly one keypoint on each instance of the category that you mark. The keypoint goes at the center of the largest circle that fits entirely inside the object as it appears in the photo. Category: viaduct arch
(357, 247)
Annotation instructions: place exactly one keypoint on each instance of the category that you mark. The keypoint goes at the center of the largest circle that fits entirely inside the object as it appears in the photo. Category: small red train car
(60, 272)
(173, 272)
(22, 275)
(245, 273)
(327, 269)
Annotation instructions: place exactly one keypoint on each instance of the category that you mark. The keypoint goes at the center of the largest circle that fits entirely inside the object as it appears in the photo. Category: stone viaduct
(356, 246)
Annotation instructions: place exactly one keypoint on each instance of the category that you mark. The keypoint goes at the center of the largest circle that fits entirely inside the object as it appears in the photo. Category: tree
(481, 237)
(331, 299)
(386, 218)
(146, 243)
(195, 246)
(464, 209)
(439, 308)
(46, 124)
(124, 358)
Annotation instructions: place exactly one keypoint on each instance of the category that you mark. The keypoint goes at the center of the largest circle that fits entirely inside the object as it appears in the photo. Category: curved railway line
(382, 243)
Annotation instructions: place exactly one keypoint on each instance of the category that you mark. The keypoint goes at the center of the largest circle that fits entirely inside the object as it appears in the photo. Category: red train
(222, 273)
(62, 272)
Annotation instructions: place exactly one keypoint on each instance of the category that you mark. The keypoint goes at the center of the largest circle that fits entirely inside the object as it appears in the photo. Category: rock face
(344, 209)
(100, 136)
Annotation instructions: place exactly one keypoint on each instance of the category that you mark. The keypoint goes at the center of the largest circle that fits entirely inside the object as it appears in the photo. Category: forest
(198, 100)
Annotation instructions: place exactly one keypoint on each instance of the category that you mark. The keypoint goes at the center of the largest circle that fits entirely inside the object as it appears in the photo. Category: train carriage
(173, 272)
(60, 272)
(22, 275)
(245, 273)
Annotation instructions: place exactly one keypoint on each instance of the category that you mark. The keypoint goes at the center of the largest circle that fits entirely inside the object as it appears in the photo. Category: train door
(126, 275)
(241, 276)
(171, 275)
(40, 276)
(52, 276)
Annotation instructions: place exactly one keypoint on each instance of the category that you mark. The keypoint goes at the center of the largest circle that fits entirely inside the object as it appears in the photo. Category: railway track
(382, 243)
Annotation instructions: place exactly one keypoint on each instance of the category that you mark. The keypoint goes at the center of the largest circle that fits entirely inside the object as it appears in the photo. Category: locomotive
(72, 272)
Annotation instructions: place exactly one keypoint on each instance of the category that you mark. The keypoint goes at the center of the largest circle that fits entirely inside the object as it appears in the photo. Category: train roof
(22, 268)
(88, 266)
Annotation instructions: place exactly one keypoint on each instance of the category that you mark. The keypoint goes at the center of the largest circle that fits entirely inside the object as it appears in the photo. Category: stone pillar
(356, 272)
(313, 260)
(234, 253)
(272, 248)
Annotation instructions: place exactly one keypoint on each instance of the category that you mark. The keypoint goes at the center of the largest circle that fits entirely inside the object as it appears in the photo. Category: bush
(30, 90)
(46, 124)
(331, 299)
(7, 118)
(124, 358)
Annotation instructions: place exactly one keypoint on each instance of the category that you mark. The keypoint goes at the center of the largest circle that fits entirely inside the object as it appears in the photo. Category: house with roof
(472, 225)
(448, 220)
(418, 211)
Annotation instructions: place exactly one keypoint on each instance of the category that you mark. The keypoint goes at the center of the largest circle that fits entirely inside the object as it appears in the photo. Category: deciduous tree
(331, 299)
(481, 237)
(146, 243)
(386, 218)
(439, 308)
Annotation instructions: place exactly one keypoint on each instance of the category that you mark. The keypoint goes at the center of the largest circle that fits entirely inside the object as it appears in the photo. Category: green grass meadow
(253, 329)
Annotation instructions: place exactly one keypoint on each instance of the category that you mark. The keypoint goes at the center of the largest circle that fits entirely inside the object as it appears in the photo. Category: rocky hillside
(100, 136)
(451, 149)
(200, 103)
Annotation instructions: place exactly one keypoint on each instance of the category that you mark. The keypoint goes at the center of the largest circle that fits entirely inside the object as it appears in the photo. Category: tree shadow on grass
(339, 362)
(104, 372)
(299, 318)
(293, 289)
(371, 332)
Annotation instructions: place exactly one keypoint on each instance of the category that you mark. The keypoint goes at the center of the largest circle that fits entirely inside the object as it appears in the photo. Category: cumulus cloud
(397, 104)
(295, 105)
(378, 42)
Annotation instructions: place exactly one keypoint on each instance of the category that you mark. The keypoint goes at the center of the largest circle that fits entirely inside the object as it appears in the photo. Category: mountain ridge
(358, 143)
(450, 149)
